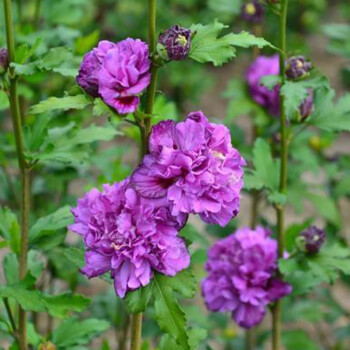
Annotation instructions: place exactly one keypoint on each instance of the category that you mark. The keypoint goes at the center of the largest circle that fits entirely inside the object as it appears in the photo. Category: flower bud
(4, 60)
(311, 240)
(252, 11)
(47, 346)
(307, 106)
(297, 67)
(174, 43)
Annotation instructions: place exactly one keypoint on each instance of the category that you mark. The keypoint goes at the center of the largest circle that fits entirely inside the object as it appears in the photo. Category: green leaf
(183, 282)
(59, 219)
(55, 57)
(266, 168)
(297, 340)
(61, 305)
(137, 300)
(85, 43)
(328, 115)
(73, 332)
(63, 103)
(326, 207)
(75, 255)
(295, 92)
(207, 46)
(9, 229)
(23, 51)
(30, 300)
(196, 335)
(4, 101)
(170, 317)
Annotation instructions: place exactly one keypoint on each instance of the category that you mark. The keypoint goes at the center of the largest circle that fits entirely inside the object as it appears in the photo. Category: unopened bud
(47, 346)
(297, 67)
(253, 11)
(307, 106)
(4, 60)
(174, 43)
(311, 240)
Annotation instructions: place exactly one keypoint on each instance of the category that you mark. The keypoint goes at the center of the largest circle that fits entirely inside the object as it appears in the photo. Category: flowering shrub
(93, 108)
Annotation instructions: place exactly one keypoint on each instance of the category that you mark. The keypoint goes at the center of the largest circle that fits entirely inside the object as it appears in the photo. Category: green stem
(136, 330)
(37, 13)
(145, 129)
(24, 168)
(280, 209)
(9, 314)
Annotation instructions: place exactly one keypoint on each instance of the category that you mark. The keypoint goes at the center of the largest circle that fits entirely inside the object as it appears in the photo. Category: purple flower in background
(129, 236)
(176, 41)
(261, 67)
(125, 73)
(90, 67)
(311, 240)
(252, 11)
(307, 105)
(194, 166)
(240, 279)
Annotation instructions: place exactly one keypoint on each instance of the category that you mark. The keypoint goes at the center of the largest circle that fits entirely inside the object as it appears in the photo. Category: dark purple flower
(129, 236)
(297, 67)
(177, 42)
(90, 67)
(307, 105)
(261, 67)
(124, 74)
(241, 269)
(311, 240)
(4, 60)
(193, 165)
(252, 11)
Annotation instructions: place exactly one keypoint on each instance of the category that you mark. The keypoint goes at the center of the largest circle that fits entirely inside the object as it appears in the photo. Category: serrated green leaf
(55, 57)
(63, 103)
(137, 300)
(169, 316)
(252, 182)
(328, 115)
(61, 305)
(195, 335)
(266, 168)
(297, 340)
(207, 46)
(183, 282)
(59, 219)
(30, 300)
(73, 332)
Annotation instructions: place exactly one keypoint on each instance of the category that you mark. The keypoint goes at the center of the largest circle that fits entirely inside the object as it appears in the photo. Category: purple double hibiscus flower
(117, 73)
(241, 276)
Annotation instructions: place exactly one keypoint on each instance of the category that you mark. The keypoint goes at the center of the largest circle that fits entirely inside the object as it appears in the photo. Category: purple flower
(311, 240)
(253, 11)
(125, 73)
(307, 105)
(90, 67)
(297, 67)
(194, 166)
(240, 279)
(261, 67)
(176, 41)
(129, 236)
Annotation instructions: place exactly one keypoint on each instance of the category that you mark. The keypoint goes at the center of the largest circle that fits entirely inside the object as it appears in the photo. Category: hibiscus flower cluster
(131, 229)
(241, 276)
